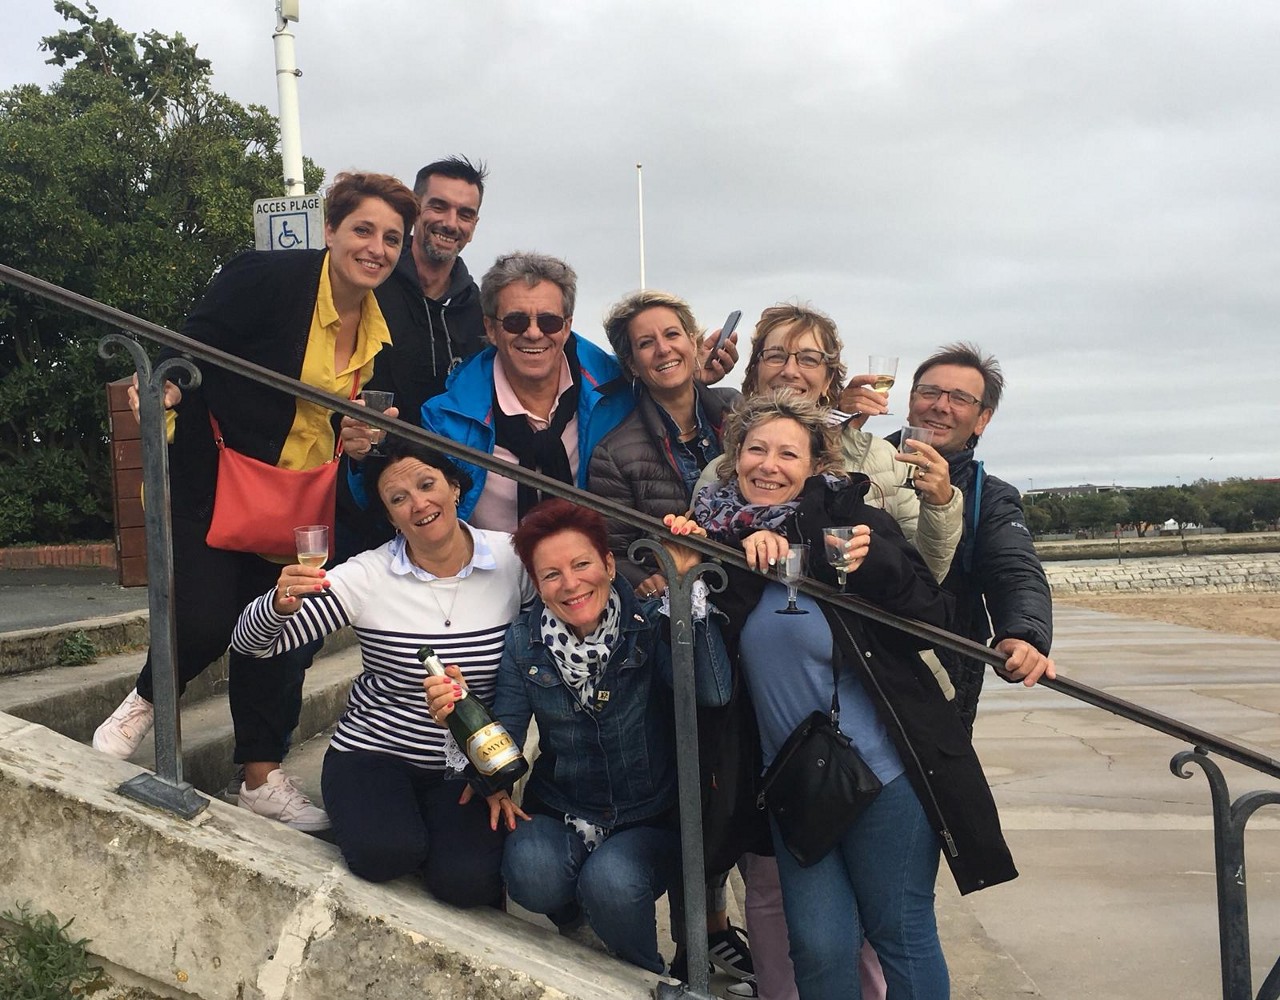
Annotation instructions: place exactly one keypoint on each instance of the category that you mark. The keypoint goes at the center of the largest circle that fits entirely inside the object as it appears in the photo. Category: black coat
(996, 578)
(927, 732)
(258, 307)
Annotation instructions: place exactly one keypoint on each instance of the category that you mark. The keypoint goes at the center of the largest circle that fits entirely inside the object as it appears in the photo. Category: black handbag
(818, 784)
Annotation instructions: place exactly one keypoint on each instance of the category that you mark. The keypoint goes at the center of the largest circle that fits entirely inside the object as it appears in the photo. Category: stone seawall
(1258, 572)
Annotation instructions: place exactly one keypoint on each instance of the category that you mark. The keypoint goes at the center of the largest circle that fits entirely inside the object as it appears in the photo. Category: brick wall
(41, 556)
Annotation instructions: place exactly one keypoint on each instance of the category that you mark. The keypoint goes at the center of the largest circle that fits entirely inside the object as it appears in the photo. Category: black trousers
(391, 819)
(210, 589)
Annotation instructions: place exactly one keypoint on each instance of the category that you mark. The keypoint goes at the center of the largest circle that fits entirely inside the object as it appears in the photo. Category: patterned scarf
(728, 518)
(582, 661)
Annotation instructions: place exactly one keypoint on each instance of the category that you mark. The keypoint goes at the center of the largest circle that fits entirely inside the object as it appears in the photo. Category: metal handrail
(937, 636)
(1229, 819)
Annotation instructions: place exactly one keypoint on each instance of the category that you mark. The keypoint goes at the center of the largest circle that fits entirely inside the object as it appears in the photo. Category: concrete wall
(233, 907)
(1209, 574)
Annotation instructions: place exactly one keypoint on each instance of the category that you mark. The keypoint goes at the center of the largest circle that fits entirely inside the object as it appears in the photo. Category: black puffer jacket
(634, 465)
(995, 572)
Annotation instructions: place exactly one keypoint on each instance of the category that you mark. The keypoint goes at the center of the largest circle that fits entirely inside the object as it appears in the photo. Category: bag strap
(337, 448)
(835, 684)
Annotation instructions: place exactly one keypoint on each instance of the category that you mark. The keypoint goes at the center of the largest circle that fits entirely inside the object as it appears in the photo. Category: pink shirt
(496, 510)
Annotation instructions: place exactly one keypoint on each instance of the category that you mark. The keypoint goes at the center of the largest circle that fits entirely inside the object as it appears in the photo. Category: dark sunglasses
(516, 323)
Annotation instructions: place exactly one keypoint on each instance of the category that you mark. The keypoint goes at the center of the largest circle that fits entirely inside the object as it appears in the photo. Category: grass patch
(39, 961)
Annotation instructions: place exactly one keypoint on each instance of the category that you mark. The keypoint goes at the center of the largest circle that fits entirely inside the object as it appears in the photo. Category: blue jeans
(546, 867)
(878, 881)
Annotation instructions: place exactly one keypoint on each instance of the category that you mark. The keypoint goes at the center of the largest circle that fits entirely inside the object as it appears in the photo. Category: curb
(36, 648)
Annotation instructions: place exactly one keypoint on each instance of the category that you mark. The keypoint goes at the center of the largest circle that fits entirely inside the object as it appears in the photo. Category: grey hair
(752, 411)
(617, 322)
(531, 268)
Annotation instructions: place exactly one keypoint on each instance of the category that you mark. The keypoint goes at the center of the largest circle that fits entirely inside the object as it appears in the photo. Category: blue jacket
(465, 411)
(616, 763)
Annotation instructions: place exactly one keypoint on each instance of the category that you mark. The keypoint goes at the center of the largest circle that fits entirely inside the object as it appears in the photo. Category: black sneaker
(729, 953)
(742, 988)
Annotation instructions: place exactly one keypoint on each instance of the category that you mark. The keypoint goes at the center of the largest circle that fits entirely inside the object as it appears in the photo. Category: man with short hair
(1000, 587)
(432, 308)
(540, 396)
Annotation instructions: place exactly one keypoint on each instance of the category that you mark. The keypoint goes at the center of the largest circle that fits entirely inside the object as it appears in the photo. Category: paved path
(1116, 899)
(36, 598)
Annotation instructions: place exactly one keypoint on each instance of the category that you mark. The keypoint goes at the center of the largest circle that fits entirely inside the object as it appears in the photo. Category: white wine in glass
(885, 369)
(924, 435)
(312, 541)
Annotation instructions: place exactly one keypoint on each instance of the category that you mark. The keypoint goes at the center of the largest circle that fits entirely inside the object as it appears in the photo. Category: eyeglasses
(441, 207)
(958, 397)
(516, 323)
(776, 357)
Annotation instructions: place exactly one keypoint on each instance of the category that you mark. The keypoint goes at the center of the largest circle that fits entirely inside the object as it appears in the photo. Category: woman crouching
(598, 832)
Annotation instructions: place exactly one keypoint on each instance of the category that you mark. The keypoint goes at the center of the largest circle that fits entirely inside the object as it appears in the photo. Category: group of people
(540, 611)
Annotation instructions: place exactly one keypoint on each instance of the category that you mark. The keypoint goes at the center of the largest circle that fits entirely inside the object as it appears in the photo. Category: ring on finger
(288, 592)
(924, 466)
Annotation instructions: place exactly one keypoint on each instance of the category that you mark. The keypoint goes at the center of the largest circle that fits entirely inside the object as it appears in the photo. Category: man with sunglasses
(539, 396)
(1000, 587)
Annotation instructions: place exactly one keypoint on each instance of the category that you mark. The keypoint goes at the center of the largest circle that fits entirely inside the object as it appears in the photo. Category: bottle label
(491, 749)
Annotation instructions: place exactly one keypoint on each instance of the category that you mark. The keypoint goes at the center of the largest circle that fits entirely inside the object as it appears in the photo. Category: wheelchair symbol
(287, 239)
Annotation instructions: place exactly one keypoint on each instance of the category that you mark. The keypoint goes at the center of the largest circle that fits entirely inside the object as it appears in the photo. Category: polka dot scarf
(582, 661)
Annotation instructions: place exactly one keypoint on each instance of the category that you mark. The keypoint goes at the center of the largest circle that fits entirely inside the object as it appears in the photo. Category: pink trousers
(770, 947)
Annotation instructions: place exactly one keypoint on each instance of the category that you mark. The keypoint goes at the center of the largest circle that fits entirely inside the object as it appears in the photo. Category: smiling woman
(310, 315)
(651, 460)
(390, 779)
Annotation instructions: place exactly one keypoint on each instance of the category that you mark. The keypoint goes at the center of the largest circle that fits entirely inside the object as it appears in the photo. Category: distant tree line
(1235, 505)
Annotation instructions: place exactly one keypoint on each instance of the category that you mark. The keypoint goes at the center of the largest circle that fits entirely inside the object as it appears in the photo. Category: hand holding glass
(922, 434)
(790, 570)
(836, 541)
(379, 402)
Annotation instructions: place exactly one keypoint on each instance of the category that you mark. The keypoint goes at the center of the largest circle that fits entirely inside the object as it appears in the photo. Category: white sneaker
(123, 731)
(279, 798)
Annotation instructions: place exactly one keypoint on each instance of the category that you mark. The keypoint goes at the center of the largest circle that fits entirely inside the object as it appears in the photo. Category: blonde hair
(781, 404)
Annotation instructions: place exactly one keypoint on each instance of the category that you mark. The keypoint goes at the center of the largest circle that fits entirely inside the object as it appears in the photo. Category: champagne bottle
(490, 748)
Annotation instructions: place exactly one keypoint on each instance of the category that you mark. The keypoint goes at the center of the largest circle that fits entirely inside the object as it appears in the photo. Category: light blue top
(787, 662)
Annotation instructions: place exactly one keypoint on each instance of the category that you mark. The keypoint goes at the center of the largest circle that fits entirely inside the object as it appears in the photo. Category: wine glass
(312, 541)
(836, 541)
(922, 434)
(790, 569)
(885, 369)
(377, 401)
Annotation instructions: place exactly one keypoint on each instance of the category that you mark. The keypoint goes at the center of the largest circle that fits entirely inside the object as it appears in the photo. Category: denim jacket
(613, 763)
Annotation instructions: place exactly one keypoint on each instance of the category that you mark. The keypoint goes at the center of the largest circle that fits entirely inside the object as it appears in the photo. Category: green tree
(1150, 507)
(130, 180)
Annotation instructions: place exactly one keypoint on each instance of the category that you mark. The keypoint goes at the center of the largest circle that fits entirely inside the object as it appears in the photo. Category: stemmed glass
(923, 435)
(790, 569)
(378, 401)
(836, 541)
(885, 369)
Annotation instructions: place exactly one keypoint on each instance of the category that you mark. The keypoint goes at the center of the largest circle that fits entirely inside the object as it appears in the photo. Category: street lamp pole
(287, 74)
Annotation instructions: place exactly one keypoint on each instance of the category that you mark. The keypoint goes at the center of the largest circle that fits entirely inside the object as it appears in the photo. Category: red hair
(553, 516)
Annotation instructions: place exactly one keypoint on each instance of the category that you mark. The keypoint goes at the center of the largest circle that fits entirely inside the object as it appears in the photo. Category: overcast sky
(1090, 190)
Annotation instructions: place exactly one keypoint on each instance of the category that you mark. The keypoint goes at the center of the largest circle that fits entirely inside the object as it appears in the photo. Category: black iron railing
(167, 789)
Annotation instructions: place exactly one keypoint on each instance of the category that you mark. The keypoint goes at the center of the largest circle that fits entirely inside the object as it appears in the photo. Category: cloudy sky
(1090, 190)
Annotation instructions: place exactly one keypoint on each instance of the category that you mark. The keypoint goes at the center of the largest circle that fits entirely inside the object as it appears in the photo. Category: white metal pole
(640, 209)
(287, 74)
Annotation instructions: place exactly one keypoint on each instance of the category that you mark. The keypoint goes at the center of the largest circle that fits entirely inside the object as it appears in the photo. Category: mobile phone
(726, 331)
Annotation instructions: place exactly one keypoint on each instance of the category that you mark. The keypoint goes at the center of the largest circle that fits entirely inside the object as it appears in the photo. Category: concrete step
(25, 650)
(74, 700)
